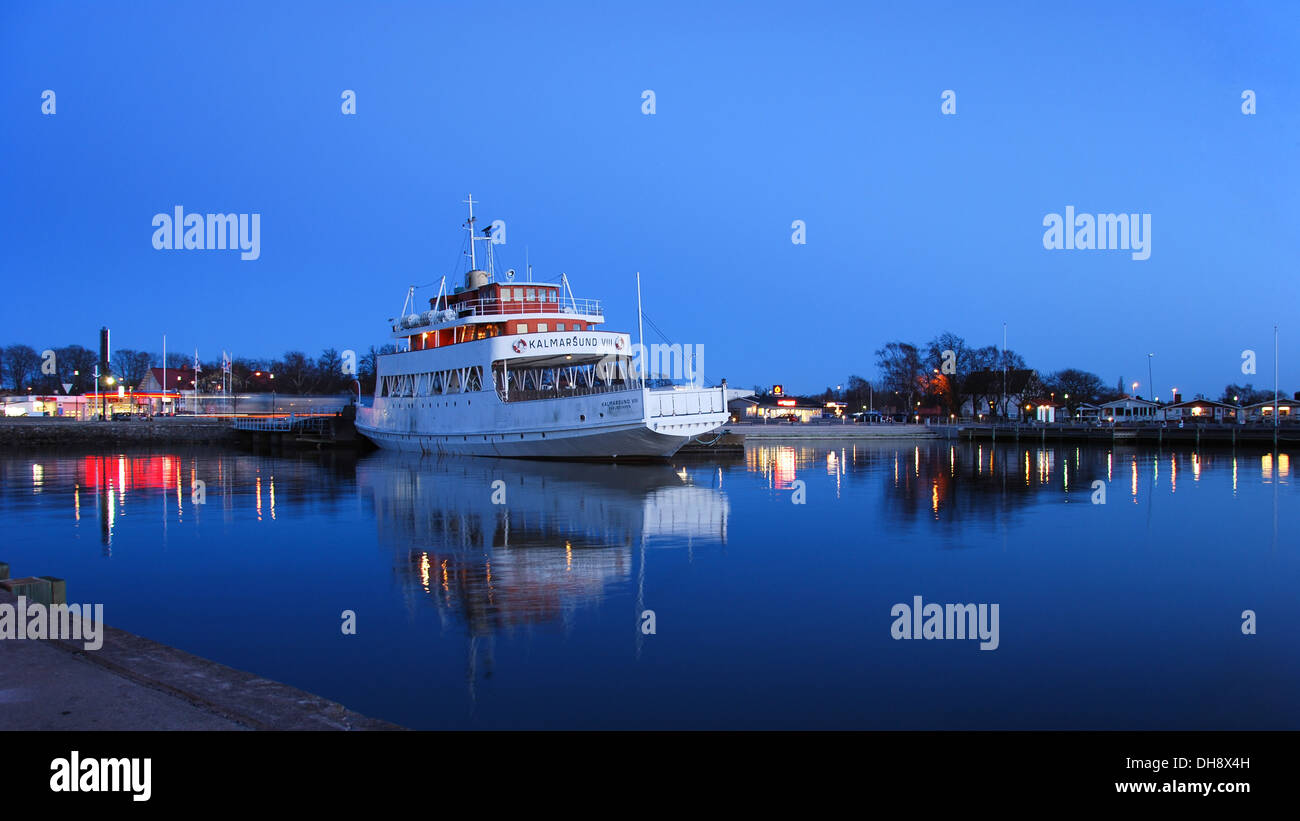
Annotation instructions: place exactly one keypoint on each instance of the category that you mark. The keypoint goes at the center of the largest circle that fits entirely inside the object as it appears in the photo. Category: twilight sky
(765, 113)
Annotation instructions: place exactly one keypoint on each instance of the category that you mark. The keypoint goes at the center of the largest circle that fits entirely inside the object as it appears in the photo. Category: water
(767, 613)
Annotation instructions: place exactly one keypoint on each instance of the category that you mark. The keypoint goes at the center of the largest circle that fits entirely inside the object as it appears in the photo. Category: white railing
(495, 307)
(678, 402)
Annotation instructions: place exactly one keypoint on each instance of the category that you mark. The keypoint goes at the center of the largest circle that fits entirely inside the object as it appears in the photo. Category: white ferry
(521, 369)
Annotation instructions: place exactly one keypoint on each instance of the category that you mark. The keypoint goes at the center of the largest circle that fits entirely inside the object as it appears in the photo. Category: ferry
(522, 369)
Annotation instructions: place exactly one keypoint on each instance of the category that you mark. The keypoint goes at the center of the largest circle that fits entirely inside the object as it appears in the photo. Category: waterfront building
(1130, 409)
(1260, 411)
(783, 409)
(1088, 412)
(1199, 410)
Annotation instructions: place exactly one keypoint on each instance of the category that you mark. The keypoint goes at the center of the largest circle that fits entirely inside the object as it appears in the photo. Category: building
(783, 409)
(177, 379)
(1088, 412)
(1260, 411)
(68, 407)
(1044, 410)
(1199, 410)
(1129, 409)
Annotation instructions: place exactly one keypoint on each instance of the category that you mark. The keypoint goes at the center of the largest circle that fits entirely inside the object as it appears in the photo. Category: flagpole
(163, 401)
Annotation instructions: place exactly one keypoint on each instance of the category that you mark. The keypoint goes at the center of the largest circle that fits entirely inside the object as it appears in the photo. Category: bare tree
(22, 365)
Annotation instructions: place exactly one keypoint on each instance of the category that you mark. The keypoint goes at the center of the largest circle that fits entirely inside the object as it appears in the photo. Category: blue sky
(917, 222)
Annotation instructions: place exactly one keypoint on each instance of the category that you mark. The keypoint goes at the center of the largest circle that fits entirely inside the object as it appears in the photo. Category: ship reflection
(499, 544)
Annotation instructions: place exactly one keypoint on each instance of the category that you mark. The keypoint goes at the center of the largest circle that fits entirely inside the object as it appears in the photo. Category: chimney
(1178, 397)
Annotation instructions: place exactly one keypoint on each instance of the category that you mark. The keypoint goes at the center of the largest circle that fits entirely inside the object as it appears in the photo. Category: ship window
(532, 294)
(541, 327)
(523, 327)
(559, 326)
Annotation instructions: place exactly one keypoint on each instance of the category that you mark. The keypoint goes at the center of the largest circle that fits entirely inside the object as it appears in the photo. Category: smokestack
(103, 350)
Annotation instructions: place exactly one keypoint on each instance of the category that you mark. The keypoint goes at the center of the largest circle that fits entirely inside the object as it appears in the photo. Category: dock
(319, 430)
(1195, 435)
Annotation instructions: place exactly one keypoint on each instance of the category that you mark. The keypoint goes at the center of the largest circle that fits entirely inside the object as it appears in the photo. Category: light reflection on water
(512, 593)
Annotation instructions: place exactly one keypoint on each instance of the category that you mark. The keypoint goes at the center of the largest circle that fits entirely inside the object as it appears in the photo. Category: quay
(274, 430)
(46, 431)
(833, 430)
(134, 683)
(1196, 435)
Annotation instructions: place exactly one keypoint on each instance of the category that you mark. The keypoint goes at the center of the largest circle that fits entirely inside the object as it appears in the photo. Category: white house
(1286, 409)
(1129, 409)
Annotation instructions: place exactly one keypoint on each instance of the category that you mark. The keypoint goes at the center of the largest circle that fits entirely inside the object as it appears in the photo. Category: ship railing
(495, 307)
(533, 394)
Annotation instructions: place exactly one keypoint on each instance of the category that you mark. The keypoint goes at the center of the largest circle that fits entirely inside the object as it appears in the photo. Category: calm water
(768, 614)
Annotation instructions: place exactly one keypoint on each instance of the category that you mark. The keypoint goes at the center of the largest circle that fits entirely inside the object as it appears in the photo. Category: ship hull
(630, 443)
(627, 425)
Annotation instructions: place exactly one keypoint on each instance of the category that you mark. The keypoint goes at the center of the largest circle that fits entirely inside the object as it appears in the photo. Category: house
(1088, 412)
(1260, 411)
(740, 407)
(1199, 410)
(1129, 409)
(177, 379)
(1044, 409)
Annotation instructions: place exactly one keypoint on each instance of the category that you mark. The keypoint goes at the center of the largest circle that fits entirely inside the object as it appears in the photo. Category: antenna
(469, 226)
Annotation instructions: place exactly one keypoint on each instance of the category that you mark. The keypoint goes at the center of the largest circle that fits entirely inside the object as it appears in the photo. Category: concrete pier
(53, 432)
(133, 683)
(831, 430)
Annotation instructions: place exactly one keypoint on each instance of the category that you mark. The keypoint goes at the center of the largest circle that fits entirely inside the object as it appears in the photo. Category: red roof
(186, 377)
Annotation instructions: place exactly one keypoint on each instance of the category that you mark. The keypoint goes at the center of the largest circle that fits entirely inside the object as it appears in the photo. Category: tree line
(949, 374)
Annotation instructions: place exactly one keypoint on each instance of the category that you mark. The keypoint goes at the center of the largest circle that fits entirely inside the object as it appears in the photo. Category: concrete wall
(20, 432)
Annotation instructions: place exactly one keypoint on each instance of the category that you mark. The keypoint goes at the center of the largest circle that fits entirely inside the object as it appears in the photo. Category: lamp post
(1151, 380)
(104, 410)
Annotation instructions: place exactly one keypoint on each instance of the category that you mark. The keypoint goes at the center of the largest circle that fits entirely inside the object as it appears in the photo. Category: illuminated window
(523, 327)
(541, 327)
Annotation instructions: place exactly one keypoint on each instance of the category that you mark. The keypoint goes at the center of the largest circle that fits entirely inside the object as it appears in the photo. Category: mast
(469, 226)
(640, 332)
